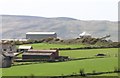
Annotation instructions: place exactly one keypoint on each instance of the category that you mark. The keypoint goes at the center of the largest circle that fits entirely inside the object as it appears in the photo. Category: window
(4, 49)
(10, 48)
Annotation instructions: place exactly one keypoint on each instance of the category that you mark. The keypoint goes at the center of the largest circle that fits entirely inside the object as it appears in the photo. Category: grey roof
(40, 33)
(24, 47)
(43, 51)
(37, 53)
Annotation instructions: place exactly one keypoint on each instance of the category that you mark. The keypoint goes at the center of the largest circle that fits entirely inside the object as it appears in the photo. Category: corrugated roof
(32, 50)
(24, 47)
(40, 33)
(37, 53)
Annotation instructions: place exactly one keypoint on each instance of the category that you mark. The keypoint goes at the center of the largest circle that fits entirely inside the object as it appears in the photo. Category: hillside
(14, 26)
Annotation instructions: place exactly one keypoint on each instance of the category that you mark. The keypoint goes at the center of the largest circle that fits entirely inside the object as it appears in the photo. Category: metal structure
(40, 35)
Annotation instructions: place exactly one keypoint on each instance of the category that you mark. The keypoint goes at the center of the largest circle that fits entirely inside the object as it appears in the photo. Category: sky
(78, 9)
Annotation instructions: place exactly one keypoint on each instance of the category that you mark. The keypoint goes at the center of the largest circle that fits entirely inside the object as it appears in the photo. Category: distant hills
(15, 26)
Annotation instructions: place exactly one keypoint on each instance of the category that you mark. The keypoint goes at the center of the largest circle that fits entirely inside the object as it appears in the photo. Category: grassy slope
(111, 52)
(53, 69)
(48, 69)
(48, 46)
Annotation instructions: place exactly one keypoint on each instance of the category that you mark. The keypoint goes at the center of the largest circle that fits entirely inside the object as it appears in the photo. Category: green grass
(55, 69)
(110, 52)
(112, 74)
(48, 46)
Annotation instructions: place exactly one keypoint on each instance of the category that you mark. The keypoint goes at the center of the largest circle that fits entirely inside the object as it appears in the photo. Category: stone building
(6, 46)
(6, 60)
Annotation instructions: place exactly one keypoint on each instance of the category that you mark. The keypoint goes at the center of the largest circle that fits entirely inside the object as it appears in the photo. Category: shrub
(49, 39)
(116, 69)
(18, 42)
(82, 72)
(61, 40)
(57, 39)
(94, 71)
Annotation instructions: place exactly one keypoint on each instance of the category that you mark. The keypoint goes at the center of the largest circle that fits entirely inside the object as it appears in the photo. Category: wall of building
(36, 57)
(40, 36)
(54, 52)
(5, 62)
(8, 48)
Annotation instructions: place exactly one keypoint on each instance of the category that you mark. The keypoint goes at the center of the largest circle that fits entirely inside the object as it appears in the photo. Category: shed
(38, 56)
(24, 48)
(40, 35)
(41, 54)
(55, 52)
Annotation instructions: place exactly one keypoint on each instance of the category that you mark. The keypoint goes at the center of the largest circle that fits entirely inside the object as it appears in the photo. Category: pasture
(108, 63)
(65, 68)
(110, 52)
(48, 46)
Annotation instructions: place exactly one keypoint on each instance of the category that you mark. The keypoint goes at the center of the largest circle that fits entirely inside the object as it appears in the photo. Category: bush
(94, 71)
(18, 42)
(61, 40)
(48, 39)
(82, 72)
(57, 39)
(116, 69)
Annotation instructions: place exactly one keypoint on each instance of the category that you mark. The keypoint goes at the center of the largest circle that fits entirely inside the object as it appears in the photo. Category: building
(6, 54)
(23, 48)
(84, 35)
(40, 35)
(41, 54)
(6, 60)
(6, 46)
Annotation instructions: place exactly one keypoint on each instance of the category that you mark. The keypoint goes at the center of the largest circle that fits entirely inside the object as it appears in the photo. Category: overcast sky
(79, 9)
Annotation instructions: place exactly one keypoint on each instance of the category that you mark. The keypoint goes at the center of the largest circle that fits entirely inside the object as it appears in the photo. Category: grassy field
(55, 69)
(48, 46)
(110, 52)
(69, 67)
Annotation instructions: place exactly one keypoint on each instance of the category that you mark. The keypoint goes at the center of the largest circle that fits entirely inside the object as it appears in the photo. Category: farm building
(40, 35)
(23, 48)
(7, 47)
(6, 60)
(41, 54)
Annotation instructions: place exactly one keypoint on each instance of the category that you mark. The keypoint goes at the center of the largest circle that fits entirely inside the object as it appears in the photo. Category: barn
(41, 54)
(40, 35)
(24, 48)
